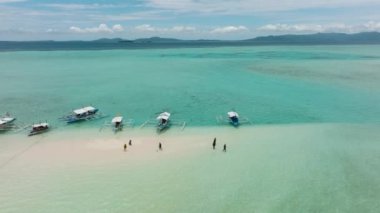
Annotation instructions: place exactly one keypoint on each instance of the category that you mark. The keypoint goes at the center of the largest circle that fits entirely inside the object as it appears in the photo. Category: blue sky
(187, 19)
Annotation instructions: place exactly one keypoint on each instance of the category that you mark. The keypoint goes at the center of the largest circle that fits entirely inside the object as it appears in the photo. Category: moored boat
(39, 128)
(233, 118)
(163, 121)
(7, 122)
(117, 123)
(82, 114)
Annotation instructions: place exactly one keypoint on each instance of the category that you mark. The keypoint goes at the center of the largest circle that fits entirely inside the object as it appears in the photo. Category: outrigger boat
(163, 122)
(117, 123)
(83, 114)
(39, 128)
(7, 123)
(233, 119)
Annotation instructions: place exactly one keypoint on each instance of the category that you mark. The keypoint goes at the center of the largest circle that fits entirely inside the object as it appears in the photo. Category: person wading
(214, 143)
(160, 146)
(225, 148)
(125, 147)
(130, 142)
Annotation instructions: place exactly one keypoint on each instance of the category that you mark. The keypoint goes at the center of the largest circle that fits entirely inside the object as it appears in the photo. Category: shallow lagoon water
(313, 146)
(285, 168)
(268, 85)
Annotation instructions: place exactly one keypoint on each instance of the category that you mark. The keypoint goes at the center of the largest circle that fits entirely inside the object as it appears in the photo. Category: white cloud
(145, 27)
(149, 28)
(76, 29)
(229, 29)
(102, 28)
(182, 28)
(295, 27)
(372, 26)
(314, 28)
(117, 28)
(50, 30)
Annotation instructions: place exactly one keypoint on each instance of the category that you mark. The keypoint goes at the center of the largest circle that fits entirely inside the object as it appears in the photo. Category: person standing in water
(130, 142)
(214, 143)
(125, 147)
(225, 148)
(160, 146)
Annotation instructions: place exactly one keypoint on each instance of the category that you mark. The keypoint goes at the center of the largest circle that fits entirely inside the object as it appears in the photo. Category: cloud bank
(149, 28)
(320, 28)
(229, 29)
(102, 28)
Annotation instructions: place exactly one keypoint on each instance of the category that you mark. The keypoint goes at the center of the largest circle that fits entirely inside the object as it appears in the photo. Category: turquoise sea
(313, 146)
(267, 84)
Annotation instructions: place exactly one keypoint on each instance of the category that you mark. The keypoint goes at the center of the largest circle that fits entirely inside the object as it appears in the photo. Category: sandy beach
(92, 147)
(328, 167)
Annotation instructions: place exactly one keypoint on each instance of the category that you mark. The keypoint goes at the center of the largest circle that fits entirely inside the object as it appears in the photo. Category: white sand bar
(289, 168)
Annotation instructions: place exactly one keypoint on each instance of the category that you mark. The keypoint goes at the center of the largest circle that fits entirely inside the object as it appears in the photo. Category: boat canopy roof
(84, 110)
(164, 115)
(232, 114)
(40, 125)
(6, 120)
(117, 119)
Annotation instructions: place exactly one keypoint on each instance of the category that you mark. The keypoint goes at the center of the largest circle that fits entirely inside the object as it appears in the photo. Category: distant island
(157, 42)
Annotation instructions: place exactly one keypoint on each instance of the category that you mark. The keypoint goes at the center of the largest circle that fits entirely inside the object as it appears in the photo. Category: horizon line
(198, 39)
